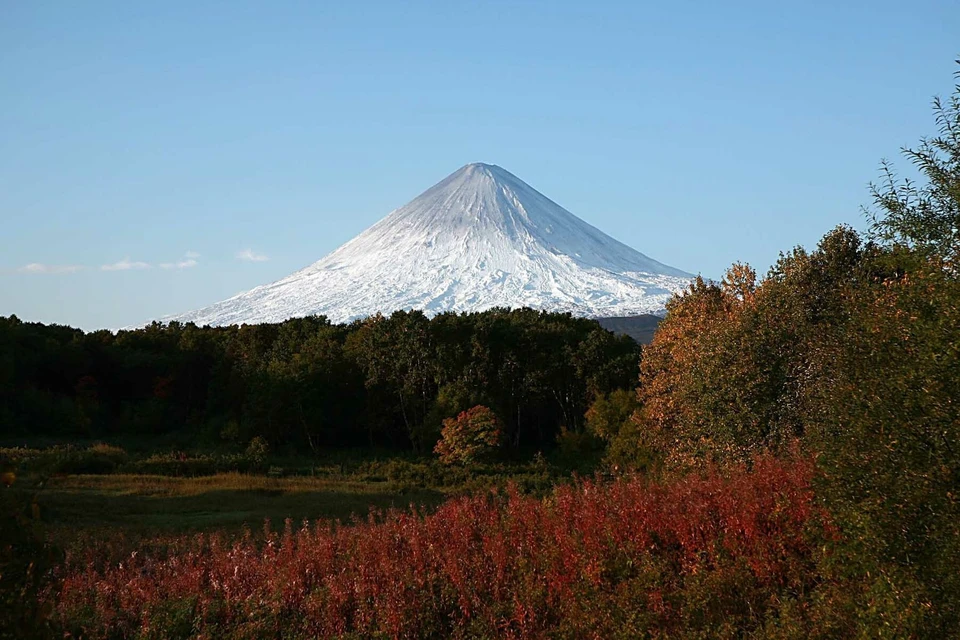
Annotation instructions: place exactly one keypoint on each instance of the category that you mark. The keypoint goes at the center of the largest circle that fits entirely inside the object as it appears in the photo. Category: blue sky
(198, 149)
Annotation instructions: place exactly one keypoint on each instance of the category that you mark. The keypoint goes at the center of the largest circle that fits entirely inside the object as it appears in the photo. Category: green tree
(611, 419)
(926, 215)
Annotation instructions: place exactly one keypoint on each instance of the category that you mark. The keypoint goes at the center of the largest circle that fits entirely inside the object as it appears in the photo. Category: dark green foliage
(925, 216)
(102, 459)
(26, 561)
(888, 426)
(383, 382)
(257, 451)
(66, 459)
(610, 420)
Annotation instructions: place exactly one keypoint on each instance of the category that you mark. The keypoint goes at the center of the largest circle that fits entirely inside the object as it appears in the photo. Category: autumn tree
(471, 437)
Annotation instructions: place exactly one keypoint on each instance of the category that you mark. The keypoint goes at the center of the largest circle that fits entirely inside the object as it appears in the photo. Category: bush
(25, 562)
(65, 459)
(451, 400)
(612, 419)
(575, 443)
(256, 453)
(97, 459)
(624, 559)
(471, 437)
(176, 463)
(578, 451)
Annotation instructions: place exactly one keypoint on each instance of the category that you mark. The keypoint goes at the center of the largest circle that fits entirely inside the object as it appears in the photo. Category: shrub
(257, 451)
(25, 562)
(609, 413)
(623, 559)
(96, 460)
(451, 400)
(578, 449)
(611, 418)
(176, 463)
(470, 437)
(104, 458)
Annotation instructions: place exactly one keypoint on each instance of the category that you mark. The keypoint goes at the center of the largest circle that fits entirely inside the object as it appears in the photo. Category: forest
(384, 382)
(783, 461)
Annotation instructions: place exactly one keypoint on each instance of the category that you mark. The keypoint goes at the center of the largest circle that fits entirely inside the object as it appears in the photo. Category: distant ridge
(640, 328)
(479, 238)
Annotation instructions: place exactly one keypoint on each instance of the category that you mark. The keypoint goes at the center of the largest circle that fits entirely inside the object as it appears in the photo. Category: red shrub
(594, 560)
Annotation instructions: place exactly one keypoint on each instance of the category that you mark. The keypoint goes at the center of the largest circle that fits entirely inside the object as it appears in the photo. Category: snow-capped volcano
(478, 239)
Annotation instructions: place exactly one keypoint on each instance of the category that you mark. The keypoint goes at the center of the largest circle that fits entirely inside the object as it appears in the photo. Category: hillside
(641, 328)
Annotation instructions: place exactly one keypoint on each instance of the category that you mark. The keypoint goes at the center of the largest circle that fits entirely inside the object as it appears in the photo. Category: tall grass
(593, 560)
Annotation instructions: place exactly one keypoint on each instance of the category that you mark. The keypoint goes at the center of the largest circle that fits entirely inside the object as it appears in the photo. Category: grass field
(136, 506)
(76, 505)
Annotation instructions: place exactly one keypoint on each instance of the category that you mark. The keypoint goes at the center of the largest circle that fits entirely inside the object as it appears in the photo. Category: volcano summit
(480, 238)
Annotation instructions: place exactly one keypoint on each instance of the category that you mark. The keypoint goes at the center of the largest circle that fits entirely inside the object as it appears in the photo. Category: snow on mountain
(478, 239)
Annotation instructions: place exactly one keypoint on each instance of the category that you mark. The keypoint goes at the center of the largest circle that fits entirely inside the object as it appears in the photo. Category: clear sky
(157, 157)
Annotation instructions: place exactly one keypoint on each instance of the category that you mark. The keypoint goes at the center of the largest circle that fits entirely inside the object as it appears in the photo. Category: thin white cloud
(183, 264)
(249, 255)
(37, 267)
(125, 265)
(189, 260)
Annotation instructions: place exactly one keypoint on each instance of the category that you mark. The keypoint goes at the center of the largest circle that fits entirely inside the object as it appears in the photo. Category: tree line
(386, 382)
